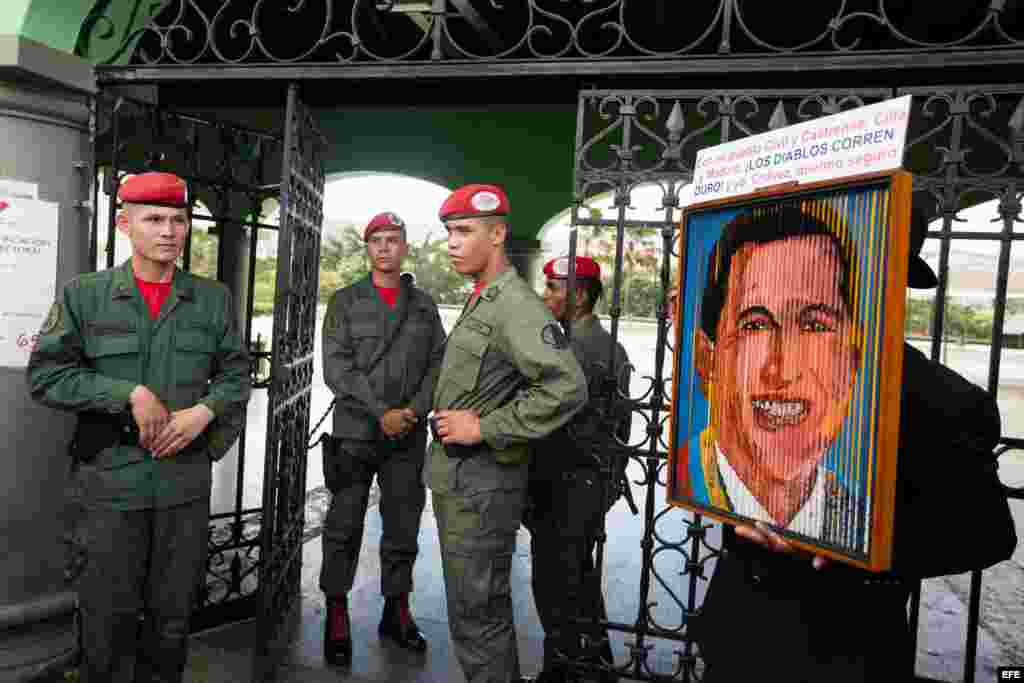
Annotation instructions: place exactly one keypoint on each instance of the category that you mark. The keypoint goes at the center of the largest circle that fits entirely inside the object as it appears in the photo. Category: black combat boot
(397, 624)
(337, 632)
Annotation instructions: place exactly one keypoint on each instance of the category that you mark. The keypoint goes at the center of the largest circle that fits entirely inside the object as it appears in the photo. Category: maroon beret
(475, 200)
(382, 221)
(586, 268)
(159, 189)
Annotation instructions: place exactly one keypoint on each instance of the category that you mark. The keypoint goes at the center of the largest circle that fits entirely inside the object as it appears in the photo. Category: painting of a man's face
(783, 363)
(787, 365)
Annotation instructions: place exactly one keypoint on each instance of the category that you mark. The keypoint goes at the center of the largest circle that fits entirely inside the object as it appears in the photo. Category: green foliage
(963, 322)
(265, 285)
(641, 269)
(428, 262)
(203, 253)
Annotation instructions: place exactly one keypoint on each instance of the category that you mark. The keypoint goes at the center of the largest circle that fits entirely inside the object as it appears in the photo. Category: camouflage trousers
(349, 469)
(477, 534)
(564, 517)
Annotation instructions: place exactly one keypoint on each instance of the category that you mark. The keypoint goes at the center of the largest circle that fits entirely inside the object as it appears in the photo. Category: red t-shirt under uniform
(154, 294)
(388, 294)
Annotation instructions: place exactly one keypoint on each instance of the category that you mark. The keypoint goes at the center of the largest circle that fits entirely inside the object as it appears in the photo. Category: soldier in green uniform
(383, 342)
(508, 376)
(573, 481)
(150, 359)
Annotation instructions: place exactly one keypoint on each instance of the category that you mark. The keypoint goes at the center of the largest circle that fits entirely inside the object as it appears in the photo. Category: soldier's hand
(394, 423)
(181, 430)
(761, 534)
(409, 415)
(460, 427)
(149, 414)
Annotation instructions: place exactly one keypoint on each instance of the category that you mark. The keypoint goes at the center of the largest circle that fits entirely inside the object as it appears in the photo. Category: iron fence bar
(1009, 208)
(210, 218)
(629, 223)
(939, 304)
(111, 181)
(186, 256)
(94, 122)
(978, 236)
(205, 119)
(754, 93)
(894, 60)
(269, 550)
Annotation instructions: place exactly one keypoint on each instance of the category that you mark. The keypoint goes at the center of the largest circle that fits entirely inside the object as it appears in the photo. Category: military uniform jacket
(377, 358)
(508, 358)
(99, 343)
(591, 429)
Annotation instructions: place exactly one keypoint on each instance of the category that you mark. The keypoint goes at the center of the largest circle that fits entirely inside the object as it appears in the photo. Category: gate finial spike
(676, 123)
(778, 119)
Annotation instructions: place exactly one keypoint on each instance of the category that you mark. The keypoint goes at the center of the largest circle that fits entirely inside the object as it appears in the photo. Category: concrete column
(44, 123)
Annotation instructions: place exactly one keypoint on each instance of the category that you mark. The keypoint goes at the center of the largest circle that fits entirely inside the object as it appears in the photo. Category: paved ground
(224, 655)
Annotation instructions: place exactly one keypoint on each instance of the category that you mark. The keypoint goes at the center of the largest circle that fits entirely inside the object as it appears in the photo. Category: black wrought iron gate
(965, 146)
(291, 376)
(234, 174)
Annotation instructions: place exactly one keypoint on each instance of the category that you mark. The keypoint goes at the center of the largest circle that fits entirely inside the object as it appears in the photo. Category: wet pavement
(224, 654)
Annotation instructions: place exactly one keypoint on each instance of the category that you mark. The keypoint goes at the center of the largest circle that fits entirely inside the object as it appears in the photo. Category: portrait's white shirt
(809, 520)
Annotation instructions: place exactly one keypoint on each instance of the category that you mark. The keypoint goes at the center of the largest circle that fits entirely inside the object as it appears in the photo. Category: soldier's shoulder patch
(53, 319)
(553, 335)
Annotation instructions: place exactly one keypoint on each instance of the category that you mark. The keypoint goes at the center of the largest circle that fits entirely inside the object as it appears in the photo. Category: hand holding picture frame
(788, 361)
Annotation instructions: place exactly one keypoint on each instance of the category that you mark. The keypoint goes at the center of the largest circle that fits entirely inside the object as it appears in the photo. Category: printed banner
(864, 140)
(28, 274)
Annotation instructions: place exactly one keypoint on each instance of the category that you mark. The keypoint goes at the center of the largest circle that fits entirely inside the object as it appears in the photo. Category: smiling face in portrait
(783, 363)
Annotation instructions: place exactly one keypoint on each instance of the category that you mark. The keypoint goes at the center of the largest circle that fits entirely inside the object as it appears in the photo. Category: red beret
(586, 268)
(381, 221)
(159, 189)
(471, 201)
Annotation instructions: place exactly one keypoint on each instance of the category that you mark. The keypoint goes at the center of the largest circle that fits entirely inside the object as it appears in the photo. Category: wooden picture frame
(788, 360)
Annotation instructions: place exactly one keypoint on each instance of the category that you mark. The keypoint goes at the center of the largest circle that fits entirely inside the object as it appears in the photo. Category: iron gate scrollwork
(965, 146)
(230, 170)
(233, 32)
(291, 377)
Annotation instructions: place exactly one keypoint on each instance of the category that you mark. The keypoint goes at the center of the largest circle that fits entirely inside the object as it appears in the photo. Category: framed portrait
(788, 359)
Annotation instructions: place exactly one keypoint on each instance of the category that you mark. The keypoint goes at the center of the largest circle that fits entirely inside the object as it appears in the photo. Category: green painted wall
(527, 150)
(12, 15)
(97, 30)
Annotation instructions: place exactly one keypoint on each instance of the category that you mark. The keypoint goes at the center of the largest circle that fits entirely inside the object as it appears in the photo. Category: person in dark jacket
(151, 360)
(773, 614)
(382, 345)
(574, 481)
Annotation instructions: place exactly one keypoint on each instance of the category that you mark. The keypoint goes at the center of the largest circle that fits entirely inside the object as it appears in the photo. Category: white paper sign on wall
(28, 273)
(9, 187)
